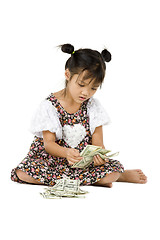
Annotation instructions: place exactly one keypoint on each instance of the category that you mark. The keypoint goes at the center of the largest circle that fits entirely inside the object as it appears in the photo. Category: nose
(85, 92)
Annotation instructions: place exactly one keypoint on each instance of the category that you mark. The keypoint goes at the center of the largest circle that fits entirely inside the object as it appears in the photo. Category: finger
(76, 153)
(71, 162)
(74, 160)
(79, 158)
(97, 162)
(94, 158)
(100, 159)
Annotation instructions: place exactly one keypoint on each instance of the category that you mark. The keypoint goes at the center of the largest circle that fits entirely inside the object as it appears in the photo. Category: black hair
(88, 60)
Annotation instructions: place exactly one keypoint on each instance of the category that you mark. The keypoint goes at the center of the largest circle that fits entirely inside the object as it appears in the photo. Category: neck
(68, 98)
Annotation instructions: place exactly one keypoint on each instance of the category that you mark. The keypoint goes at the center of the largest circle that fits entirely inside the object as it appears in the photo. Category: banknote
(89, 152)
(64, 187)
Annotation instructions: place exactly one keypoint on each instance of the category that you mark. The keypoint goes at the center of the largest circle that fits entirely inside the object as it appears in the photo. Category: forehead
(89, 82)
(86, 80)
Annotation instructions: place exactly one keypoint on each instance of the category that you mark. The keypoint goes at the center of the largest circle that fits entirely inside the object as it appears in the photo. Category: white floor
(126, 211)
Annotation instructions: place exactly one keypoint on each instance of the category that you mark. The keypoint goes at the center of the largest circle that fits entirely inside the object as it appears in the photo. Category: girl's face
(80, 90)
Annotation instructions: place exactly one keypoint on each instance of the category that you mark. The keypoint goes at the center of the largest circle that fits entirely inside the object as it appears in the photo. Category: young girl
(66, 122)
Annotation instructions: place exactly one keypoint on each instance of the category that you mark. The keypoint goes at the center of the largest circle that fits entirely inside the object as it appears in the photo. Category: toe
(143, 177)
(145, 181)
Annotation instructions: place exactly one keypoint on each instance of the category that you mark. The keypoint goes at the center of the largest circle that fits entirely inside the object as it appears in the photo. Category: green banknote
(89, 152)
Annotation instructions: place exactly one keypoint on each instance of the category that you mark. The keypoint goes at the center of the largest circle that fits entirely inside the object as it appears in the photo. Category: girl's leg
(26, 178)
(130, 176)
(108, 179)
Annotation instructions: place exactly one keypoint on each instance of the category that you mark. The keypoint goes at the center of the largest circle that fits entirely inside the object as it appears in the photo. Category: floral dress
(72, 130)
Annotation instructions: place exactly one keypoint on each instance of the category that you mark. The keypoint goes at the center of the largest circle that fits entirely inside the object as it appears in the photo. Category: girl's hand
(73, 156)
(98, 160)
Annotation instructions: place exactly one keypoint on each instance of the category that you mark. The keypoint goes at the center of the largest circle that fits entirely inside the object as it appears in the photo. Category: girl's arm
(51, 146)
(97, 137)
(97, 140)
(56, 150)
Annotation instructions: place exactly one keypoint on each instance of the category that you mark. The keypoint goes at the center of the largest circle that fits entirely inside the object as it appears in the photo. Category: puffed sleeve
(45, 118)
(97, 114)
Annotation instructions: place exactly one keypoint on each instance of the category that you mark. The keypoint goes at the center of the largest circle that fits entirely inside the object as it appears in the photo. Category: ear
(67, 74)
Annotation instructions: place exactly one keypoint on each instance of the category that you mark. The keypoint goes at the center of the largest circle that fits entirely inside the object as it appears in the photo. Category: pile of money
(64, 187)
(89, 152)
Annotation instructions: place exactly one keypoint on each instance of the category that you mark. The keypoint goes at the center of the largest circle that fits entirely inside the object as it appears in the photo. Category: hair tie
(73, 52)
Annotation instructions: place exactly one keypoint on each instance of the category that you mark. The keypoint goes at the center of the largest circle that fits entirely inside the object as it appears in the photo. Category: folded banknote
(89, 152)
(64, 187)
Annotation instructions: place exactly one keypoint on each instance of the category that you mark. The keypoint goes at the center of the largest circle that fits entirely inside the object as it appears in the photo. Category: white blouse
(46, 118)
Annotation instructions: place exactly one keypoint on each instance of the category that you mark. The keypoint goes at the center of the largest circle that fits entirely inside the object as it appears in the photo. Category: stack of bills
(89, 152)
(64, 187)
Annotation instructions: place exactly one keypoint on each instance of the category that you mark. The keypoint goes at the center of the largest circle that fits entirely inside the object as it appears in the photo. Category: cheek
(92, 93)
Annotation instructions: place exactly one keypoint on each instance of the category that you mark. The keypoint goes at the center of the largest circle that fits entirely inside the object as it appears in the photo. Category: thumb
(76, 152)
(106, 160)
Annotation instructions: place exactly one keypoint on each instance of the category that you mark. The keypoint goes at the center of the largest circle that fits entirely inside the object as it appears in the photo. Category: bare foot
(109, 185)
(133, 176)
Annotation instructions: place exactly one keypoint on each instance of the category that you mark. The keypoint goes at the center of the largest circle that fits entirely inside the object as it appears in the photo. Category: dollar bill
(89, 152)
(64, 187)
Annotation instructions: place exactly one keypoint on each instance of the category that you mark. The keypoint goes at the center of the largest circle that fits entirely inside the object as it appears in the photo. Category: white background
(32, 68)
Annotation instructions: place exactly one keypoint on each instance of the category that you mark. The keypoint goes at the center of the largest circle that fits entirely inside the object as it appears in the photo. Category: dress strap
(60, 109)
(52, 99)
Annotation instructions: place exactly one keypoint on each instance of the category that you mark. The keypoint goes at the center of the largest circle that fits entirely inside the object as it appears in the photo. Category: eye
(94, 89)
(80, 85)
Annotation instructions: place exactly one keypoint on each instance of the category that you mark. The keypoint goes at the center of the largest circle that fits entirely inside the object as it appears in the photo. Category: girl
(68, 120)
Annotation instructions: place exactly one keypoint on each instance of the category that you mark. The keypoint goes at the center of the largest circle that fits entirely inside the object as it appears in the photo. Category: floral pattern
(46, 168)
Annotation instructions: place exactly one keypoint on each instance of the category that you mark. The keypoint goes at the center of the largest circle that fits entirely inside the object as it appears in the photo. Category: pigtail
(67, 48)
(106, 55)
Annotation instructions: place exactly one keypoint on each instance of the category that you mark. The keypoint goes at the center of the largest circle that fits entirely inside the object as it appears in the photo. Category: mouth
(82, 98)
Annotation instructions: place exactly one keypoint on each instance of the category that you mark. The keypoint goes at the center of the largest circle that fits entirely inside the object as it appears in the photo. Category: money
(89, 152)
(64, 187)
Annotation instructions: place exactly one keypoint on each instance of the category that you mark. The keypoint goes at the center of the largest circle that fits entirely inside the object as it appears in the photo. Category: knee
(26, 178)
